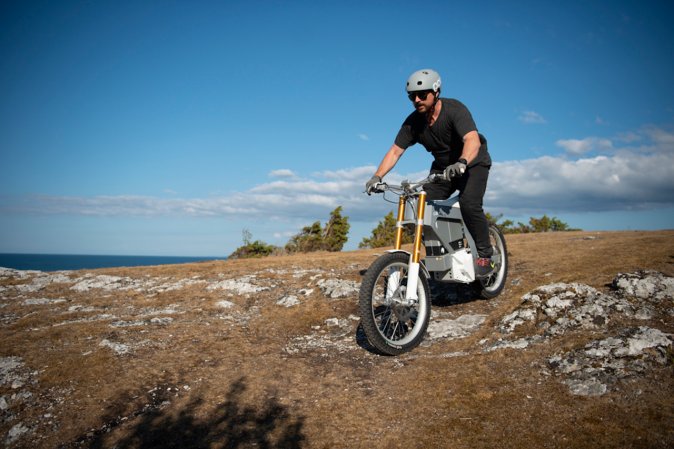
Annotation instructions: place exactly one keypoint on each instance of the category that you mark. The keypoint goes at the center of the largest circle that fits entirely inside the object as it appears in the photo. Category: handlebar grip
(379, 187)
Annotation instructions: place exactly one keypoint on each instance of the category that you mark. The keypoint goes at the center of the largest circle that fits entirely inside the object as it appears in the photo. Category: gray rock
(105, 282)
(642, 339)
(240, 286)
(15, 433)
(521, 343)
(458, 328)
(288, 301)
(592, 370)
(517, 318)
(645, 285)
(9, 368)
(42, 301)
(117, 348)
(589, 387)
(338, 288)
(558, 308)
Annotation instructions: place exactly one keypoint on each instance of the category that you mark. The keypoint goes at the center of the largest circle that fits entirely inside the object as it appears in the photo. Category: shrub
(252, 249)
(384, 234)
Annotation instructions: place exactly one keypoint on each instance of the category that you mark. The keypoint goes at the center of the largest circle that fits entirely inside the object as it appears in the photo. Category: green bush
(253, 249)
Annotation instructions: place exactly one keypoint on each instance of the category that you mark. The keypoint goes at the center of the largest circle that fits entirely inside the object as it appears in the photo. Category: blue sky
(168, 127)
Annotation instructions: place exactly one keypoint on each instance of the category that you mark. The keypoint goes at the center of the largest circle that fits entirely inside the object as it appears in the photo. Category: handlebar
(407, 187)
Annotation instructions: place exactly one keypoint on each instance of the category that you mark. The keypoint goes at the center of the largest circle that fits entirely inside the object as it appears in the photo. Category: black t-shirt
(445, 138)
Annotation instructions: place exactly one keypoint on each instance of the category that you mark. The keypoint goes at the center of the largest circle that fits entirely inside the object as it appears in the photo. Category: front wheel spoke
(378, 314)
(387, 323)
(395, 333)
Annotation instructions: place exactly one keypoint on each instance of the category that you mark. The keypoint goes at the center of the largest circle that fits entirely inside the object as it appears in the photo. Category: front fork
(415, 256)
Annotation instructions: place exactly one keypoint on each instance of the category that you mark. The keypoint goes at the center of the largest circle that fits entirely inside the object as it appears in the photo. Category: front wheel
(491, 286)
(391, 323)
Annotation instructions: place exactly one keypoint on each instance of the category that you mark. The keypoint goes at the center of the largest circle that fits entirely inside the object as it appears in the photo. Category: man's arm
(471, 146)
(390, 160)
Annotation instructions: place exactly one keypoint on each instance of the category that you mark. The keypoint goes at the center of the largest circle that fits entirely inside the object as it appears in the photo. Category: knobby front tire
(492, 286)
(391, 325)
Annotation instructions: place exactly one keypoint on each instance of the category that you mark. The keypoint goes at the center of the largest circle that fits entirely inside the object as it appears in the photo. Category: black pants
(471, 187)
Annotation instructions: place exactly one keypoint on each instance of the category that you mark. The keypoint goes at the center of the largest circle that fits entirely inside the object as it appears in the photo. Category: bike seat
(449, 202)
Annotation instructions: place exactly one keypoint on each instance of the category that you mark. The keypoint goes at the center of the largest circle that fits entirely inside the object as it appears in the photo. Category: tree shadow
(231, 425)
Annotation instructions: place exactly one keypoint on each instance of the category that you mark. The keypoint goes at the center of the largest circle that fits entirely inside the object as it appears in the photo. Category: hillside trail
(268, 353)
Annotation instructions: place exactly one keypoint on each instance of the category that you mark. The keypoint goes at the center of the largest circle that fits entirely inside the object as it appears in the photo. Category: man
(446, 129)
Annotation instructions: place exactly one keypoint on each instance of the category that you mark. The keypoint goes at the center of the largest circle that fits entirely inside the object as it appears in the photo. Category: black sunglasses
(421, 94)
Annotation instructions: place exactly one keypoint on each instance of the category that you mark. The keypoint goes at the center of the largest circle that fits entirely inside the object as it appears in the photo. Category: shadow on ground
(232, 424)
(445, 294)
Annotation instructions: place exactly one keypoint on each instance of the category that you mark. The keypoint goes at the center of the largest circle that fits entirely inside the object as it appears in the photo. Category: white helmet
(426, 79)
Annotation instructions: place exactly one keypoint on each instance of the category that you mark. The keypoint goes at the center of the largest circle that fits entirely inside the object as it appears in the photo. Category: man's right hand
(371, 184)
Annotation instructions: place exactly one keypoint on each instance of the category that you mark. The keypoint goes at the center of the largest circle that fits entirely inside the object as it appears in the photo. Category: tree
(542, 224)
(315, 238)
(307, 240)
(252, 249)
(336, 231)
(493, 220)
(384, 234)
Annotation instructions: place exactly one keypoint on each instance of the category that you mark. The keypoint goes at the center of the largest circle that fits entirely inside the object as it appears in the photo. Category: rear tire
(492, 286)
(392, 326)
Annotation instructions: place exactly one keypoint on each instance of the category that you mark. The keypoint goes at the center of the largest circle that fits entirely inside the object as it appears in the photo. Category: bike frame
(462, 269)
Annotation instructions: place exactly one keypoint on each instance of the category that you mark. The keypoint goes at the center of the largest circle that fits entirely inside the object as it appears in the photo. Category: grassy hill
(267, 353)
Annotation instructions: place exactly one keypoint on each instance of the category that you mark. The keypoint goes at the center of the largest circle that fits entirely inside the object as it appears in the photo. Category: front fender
(422, 265)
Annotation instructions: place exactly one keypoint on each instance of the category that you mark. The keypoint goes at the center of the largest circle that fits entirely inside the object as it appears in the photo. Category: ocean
(57, 262)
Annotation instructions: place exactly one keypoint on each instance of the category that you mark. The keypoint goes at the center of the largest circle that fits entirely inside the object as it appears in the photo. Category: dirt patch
(268, 353)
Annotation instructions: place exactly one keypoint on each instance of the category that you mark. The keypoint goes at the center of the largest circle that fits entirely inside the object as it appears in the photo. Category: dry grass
(217, 377)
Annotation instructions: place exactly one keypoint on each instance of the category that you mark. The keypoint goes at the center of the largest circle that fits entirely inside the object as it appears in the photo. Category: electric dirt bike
(394, 300)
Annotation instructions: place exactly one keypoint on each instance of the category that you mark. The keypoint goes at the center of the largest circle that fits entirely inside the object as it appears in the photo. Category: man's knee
(471, 206)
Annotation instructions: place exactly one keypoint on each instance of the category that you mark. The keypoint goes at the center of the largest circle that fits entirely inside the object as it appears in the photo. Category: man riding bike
(446, 129)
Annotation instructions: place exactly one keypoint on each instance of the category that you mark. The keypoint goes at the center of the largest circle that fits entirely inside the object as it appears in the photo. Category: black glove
(456, 169)
(370, 185)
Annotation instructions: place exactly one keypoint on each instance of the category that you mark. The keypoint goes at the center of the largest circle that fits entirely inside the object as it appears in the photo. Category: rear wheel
(392, 324)
(491, 286)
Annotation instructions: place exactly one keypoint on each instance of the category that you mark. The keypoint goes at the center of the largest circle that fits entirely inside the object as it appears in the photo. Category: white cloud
(628, 137)
(531, 117)
(282, 173)
(350, 174)
(621, 178)
(626, 181)
(364, 137)
(582, 146)
(660, 136)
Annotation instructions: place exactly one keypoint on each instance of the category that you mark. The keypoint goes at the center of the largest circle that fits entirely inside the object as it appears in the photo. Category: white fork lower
(412, 282)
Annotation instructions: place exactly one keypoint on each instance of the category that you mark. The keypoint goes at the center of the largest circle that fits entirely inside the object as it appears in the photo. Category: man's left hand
(455, 170)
